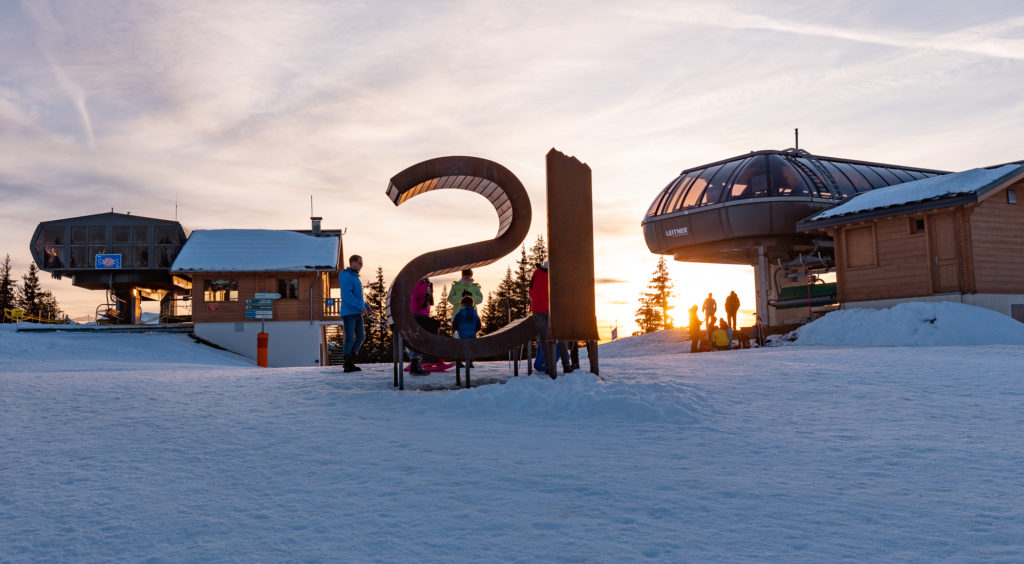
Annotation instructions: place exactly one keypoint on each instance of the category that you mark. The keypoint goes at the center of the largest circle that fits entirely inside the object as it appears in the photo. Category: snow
(913, 324)
(931, 188)
(232, 250)
(132, 447)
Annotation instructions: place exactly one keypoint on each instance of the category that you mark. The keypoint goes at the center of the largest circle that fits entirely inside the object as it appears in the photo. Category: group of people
(719, 332)
(464, 296)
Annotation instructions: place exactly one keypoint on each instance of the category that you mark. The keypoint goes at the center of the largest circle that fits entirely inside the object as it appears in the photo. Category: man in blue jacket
(353, 306)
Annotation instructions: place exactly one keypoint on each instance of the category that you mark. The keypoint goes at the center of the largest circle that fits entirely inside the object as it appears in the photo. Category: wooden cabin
(956, 238)
(280, 282)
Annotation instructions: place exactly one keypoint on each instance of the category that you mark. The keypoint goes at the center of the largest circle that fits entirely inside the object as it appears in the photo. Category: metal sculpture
(512, 204)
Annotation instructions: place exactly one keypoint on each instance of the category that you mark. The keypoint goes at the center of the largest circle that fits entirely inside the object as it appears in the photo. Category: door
(945, 259)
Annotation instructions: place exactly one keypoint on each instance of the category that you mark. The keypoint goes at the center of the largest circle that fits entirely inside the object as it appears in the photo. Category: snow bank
(918, 324)
(669, 341)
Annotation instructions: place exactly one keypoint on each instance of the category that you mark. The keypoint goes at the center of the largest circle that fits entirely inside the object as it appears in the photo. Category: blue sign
(108, 261)
(330, 302)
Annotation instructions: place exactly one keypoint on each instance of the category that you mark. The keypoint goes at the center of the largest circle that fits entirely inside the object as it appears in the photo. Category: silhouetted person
(539, 307)
(695, 335)
(709, 309)
(732, 305)
(461, 288)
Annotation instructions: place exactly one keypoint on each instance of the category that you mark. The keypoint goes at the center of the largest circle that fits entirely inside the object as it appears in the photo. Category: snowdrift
(669, 341)
(912, 324)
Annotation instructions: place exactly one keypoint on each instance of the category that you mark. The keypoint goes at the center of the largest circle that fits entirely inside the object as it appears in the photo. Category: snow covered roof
(937, 190)
(256, 250)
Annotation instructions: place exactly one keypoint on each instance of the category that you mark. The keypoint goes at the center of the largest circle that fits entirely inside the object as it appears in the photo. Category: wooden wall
(901, 267)
(251, 283)
(997, 240)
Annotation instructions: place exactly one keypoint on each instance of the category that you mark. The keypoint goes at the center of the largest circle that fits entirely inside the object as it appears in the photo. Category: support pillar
(762, 283)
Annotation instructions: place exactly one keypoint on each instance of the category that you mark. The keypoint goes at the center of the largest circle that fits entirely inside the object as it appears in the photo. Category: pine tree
(8, 288)
(377, 346)
(48, 307)
(443, 313)
(539, 251)
(498, 309)
(653, 312)
(28, 295)
(521, 286)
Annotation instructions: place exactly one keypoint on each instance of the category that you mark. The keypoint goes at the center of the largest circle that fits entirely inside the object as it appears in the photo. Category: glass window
(751, 182)
(141, 257)
(93, 251)
(79, 235)
(699, 184)
(141, 234)
(860, 184)
(53, 257)
(51, 236)
(223, 290)
(786, 180)
(887, 174)
(873, 177)
(903, 175)
(122, 235)
(843, 183)
(165, 256)
(676, 194)
(719, 183)
(98, 235)
(166, 235)
(80, 257)
(288, 288)
(126, 256)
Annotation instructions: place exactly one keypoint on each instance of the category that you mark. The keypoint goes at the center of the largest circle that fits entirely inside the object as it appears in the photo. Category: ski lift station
(749, 210)
(230, 283)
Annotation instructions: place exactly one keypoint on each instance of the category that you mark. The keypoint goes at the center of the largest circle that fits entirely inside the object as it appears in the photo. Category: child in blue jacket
(467, 322)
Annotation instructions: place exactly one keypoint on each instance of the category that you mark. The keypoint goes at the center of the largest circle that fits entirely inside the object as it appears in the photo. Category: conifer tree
(443, 313)
(498, 309)
(28, 294)
(521, 286)
(8, 288)
(377, 346)
(48, 307)
(653, 312)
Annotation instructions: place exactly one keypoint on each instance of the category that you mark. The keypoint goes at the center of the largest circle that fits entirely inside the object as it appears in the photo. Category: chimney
(316, 225)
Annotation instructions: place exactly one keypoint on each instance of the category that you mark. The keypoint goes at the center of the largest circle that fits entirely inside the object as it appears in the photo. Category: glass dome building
(732, 210)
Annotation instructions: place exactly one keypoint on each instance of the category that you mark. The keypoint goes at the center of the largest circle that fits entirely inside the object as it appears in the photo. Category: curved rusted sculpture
(512, 204)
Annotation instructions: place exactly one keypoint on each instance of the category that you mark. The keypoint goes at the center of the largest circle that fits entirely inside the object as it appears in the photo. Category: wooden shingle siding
(997, 244)
(902, 265)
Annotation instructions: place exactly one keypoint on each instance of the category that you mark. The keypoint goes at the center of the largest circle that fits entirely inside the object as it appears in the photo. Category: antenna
(796, 138)
(310, 204)
(175, 205)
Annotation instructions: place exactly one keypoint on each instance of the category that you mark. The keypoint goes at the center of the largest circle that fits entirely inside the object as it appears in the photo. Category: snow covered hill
(151, 447)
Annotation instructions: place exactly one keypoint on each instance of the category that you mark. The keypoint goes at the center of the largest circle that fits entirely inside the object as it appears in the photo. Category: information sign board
(108, 261)
(267, 295)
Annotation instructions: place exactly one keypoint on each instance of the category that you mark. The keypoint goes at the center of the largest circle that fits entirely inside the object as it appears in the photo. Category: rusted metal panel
(570, 249)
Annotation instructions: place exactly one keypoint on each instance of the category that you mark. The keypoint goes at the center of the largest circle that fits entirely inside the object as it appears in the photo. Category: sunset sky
(239, 111)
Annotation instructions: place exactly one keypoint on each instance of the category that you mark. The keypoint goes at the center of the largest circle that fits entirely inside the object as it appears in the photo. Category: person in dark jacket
(353, 307)
(709, 309)
(732, 305)
(539, 306)
(695, 332)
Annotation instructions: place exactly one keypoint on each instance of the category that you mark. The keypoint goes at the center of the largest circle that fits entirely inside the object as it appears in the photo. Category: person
(695, 335)
(539, 306)
(732, 305)
(463, 287)
(352, 309)
(467, 321)
(710, 307)
(720, 337)
(420, 301)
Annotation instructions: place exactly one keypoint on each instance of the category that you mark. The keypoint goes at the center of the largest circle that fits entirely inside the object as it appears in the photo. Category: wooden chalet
(956, 237)
(231, 268)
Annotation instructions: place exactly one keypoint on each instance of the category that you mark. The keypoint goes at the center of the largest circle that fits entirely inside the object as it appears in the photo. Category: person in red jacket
(539, 305)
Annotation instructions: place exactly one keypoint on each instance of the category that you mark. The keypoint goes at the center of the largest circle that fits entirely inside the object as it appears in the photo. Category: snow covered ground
(150, 447)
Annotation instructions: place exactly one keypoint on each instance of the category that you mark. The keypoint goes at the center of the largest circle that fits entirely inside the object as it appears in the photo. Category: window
(141, 233)
(224, 290)
(141, 257)
(786, 180)
(126, 256)
(51, 236)
(80, 257)
(1011, 196)
(288, 288)
(98, 235)
(122, 235)
(166, 235)
(53, 257)
(165, 256)
(916, 225)
(752, 181)
(860, 247)
(79, 235)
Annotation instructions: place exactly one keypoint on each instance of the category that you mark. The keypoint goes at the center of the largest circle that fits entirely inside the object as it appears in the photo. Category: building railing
(332, 308)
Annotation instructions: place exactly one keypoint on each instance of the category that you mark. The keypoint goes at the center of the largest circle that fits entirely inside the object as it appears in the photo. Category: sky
(233, 114)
